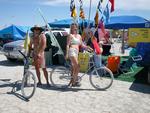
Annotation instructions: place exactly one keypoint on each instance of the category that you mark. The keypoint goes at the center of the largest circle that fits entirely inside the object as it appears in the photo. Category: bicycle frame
(89, 68)
(26, 61)
(90, 62)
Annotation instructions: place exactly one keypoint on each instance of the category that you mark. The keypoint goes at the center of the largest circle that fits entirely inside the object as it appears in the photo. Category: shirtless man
(38, 42)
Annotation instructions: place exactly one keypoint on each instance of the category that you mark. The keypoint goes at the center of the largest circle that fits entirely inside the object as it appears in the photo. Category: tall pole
(89, 13)
(49, 28)
(123, 37)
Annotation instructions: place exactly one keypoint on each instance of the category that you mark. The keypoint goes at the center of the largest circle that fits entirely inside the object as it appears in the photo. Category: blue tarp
(125, 22)
(65, 23)
(14, 32)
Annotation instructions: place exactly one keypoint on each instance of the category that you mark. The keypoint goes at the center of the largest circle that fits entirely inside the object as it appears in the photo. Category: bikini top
(75, 41)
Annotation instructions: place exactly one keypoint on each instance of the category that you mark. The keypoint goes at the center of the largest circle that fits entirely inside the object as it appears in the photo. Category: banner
(139, 35)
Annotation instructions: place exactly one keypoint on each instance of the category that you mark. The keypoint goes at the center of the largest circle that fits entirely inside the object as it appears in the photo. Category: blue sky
(24, 12)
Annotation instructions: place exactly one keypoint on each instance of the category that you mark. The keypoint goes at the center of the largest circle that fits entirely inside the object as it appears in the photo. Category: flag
(73, 12)
(73, 9)
(101, 25)
(81, 10)
(82, 14)
(72, 4)
(112, 5)
(81, 4)
(107, 13)
(96, 18)
(99, 7)
(26, 43)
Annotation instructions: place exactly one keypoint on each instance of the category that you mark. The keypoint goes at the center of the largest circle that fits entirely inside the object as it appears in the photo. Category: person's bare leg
(74, 66)
(46, 75)
(77, 69)
(37, 68)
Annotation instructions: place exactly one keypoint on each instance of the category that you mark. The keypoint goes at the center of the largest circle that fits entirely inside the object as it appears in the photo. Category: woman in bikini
(74, 40)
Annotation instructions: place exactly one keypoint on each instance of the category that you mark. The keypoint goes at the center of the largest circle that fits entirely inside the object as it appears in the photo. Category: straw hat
(37, 27)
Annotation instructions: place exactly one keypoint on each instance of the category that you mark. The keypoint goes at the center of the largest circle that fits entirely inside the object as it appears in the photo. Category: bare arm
(68, 44)
(85, 46)
(30, 46)
(42, 43)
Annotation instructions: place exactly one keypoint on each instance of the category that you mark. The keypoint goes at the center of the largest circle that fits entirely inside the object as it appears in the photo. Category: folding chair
(127, 68)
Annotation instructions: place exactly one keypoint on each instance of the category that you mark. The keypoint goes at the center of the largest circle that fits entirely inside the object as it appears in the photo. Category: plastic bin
(113, 63)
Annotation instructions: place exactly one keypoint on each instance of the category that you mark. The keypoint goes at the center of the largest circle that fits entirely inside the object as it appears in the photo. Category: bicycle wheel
(28, 85)
(101, 78)
(60, 77)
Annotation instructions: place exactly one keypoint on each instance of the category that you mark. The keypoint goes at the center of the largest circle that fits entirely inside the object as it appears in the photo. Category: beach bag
(83, 59)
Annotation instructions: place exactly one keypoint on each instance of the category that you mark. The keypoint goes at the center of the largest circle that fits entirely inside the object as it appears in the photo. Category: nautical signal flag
(101, 25)
(82, 14)
(73, 9)
(73, 13)
(81, 10)
(112, 5)
(72, 4)
(99, 7)
(107, 13)
(96, 18)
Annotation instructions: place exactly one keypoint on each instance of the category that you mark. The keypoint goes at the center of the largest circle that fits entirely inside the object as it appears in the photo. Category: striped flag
(72, 4)
(99, 7)
(81, 10)
(81, 4)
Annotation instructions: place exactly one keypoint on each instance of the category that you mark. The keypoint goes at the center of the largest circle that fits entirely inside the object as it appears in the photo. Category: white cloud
(119, 4)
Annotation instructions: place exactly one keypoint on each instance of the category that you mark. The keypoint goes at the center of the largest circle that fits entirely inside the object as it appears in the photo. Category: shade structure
(65, 23)
(14, 32)
(125, 22)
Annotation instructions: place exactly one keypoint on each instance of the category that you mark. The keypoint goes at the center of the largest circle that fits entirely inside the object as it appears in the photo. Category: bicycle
(28, 85)
(100, 78)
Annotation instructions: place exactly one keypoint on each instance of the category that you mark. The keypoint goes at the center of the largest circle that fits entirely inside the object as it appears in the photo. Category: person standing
(74, 40)
(38, 42)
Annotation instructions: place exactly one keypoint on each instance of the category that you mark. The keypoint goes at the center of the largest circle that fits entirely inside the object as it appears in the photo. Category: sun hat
(37, 27)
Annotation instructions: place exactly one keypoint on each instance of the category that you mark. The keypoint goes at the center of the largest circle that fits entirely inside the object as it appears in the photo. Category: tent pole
(122, 48)
(89, 13)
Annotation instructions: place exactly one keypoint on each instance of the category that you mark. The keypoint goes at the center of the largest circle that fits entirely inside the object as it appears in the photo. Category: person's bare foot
(39, 84)
(48, 85)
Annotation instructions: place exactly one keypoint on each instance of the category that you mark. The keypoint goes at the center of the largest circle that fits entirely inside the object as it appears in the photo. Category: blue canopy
(14, 32)
(125, 22)
(65, 23)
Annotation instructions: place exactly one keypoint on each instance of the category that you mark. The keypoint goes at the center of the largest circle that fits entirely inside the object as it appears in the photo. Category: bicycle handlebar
(23, 55)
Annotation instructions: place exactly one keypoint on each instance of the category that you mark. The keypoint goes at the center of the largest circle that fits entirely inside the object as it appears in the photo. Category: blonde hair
(73, 24)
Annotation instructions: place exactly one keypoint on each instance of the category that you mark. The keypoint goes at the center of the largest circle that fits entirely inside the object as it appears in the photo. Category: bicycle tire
(28, 86)
(101, 78)
(60, 77)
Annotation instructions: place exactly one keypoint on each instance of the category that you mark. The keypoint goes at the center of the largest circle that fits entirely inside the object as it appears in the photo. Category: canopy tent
(125, 22)
(14, 32)
(65, 23)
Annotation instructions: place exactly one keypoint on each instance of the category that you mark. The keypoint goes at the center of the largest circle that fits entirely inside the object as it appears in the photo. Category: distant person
(38, 42)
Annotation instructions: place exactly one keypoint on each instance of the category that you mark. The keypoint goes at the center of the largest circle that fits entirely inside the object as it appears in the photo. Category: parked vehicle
(10, 50)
